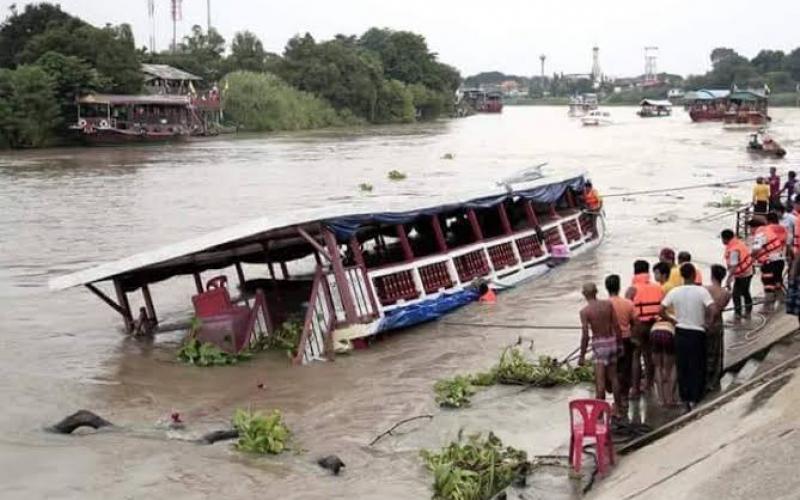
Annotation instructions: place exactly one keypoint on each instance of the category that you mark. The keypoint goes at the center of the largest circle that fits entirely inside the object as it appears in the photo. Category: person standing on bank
(740, 273)
(646, 297)
(715, 347)
(760, 196)
(598, 317)
(694, 312)
(625, 312)
(774, 181)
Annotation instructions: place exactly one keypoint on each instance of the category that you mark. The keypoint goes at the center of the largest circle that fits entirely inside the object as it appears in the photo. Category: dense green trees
(50, 57)
(29, 111)
(262, 102)
(781, 72)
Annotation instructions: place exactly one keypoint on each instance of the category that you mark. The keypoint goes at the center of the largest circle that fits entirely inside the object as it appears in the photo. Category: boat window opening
(489, 220)
(93, 110)
(457, 230)
(517, 214)
(422, 237)
(384, 249)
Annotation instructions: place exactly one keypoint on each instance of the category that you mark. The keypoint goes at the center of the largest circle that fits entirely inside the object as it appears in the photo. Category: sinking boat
(353, 275)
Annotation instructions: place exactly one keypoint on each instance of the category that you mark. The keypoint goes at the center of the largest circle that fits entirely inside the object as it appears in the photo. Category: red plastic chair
(595, 421)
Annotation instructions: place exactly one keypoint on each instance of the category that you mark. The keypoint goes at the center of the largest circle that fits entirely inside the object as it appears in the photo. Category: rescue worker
(769, 248)
(646, 297)
(593, 202)
(740, 272)
(667, 256)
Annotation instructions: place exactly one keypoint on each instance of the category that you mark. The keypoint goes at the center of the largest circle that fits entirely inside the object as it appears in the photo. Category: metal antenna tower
(208, 14)
(177, 15)
(542, 58)
(151, 14)
(596, 71)
(650, 69)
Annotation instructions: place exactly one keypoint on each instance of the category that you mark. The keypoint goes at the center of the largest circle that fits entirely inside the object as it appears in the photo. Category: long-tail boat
(353, 275)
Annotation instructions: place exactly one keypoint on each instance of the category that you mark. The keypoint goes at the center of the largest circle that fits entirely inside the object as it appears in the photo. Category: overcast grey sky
(506, 36)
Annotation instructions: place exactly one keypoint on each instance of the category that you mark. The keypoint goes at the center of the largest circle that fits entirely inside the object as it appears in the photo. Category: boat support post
(341, 279)
(126, 315)
(198, 282)
(314, 243)
(148, 304)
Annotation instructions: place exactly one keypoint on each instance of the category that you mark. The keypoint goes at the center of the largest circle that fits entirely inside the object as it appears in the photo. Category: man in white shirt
(694, 311)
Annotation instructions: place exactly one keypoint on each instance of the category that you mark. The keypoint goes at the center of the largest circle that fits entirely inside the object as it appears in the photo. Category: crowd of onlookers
(665, 332)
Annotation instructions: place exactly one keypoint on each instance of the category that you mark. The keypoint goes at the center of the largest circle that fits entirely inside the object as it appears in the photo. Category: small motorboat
(597, 117)
(762, 144)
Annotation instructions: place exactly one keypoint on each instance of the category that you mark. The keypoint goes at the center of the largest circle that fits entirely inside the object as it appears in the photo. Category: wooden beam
(198, 282)
(530, 213)
(437, 231)
(284, 270)
(341, 279)
(105, 298)
(504, 222)
(358, 255)
(122, 299)
(314, 243)
(408, 254)
(148, 304)
(476, 227)
(240, 275)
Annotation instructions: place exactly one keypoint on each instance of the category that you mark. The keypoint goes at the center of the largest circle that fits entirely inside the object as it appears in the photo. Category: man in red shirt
(774, 188)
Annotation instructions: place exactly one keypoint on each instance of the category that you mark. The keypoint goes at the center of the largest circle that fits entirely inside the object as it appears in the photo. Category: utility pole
(542, 59)
(151, 14)
(208, 13)
(176, 16)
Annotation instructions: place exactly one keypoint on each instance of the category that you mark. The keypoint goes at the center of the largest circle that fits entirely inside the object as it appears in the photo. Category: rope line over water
(683, 188)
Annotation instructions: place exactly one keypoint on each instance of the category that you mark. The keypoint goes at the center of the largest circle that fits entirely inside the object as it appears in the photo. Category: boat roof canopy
(707, 94)
(166, 72)
(748, 95)
(656, 102)
(277, 238)
(163, 100)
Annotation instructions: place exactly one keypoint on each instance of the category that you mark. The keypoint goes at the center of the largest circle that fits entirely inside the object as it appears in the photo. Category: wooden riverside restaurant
(353, 276)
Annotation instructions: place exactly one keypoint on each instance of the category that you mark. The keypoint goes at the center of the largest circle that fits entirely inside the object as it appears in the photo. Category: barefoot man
(600, 317)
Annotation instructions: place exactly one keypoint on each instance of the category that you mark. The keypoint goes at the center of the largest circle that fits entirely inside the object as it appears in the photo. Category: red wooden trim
(408, 254)
(437, 230)
(198, 282)
(530, 213)
(370, 292)
(341, 278)
(311, 241)
(476, 227)
(317, 258)
(148, 304)
(570, 198)
(553, 212)
(501, 209)
(122, 299)
(358, 255)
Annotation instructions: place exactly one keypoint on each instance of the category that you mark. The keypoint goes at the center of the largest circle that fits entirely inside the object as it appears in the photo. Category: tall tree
(71, 77)
(768, 60)
(29, 112)
(19, 28)
(247, 53)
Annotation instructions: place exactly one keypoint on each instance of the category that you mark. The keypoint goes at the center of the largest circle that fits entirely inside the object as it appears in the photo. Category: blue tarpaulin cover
(427, 310)
(345, 227)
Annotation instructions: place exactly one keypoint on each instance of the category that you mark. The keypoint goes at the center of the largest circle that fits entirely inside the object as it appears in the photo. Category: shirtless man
(600, 317)
(716, 334)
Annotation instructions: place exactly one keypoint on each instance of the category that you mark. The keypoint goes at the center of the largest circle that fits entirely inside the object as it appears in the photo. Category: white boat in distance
(597, 117)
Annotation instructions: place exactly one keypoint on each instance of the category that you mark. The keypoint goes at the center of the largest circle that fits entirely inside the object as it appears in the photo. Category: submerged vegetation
(513, 368)
(475, 469)
(285, 338)
(396, 175)
(261, 434)
(198, 353)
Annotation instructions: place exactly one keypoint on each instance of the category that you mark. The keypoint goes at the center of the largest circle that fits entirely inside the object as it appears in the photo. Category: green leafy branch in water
(515, 368)
(512, 369)
(396, 175)
(475, 469)
(365, 187)
(262, 434)
(285, 338)
(195, 352)
(454, 392)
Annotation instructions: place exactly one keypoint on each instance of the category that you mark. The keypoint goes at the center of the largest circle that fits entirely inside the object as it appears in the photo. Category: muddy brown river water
(63, 210)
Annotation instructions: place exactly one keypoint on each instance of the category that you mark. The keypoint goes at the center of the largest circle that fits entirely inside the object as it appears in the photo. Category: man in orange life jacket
(769, 248)
(593, 202)
(646, 297)
(740, 272)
